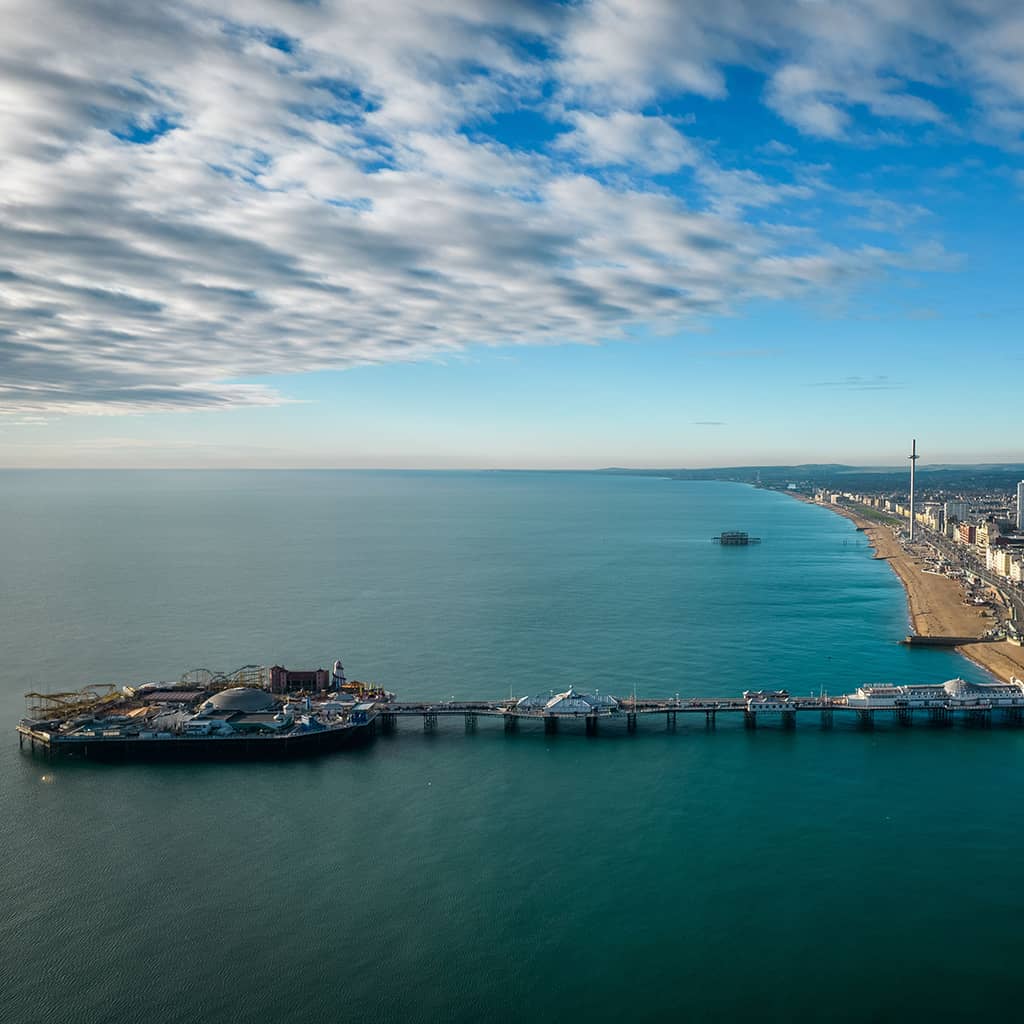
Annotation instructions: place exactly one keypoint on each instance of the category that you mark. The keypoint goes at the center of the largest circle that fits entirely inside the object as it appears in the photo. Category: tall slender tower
(1020, 505)
(913, 460)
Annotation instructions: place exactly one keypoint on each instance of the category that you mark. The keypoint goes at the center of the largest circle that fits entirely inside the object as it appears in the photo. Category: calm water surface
(695, 875)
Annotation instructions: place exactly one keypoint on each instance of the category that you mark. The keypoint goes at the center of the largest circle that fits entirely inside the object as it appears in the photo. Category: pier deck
(749, 708)
(106, 731)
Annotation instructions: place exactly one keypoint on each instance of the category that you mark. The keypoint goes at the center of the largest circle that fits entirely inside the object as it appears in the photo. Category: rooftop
(241, 698)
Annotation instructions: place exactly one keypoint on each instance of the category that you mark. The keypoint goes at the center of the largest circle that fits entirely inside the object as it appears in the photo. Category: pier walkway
(939, 704)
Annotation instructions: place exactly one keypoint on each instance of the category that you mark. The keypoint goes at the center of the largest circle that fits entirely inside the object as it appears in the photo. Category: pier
(936, 704)
(250, 722)
(735, 538)
(914, 640)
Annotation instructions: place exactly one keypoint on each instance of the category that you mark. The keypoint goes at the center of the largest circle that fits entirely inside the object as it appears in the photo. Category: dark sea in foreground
(695, 876)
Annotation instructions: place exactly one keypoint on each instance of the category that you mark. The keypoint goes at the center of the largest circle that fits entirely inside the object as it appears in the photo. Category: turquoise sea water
(695, 875)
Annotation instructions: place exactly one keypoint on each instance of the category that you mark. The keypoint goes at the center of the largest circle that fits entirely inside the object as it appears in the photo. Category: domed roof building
(571, 702)
(246, 699)
(962, 690)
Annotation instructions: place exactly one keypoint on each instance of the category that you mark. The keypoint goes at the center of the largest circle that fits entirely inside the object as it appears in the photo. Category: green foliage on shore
(875, 515)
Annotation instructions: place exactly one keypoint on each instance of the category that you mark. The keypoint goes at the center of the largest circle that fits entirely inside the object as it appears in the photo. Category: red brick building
(284, 681)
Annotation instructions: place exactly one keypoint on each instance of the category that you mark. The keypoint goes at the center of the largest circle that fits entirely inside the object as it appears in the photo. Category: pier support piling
(865, 719)
(470, 721)
(591, 725)
(905, 716)
(631, 721)
(788, 719)
(429, 721)
(826, 718)
(670, 721)
(709, 719)
(511, 723)
(750, 719)
(551, 724)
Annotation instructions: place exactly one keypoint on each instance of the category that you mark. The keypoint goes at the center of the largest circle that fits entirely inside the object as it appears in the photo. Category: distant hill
(982, 477)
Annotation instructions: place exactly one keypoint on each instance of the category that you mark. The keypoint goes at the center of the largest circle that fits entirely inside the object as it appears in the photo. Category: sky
(508, 233)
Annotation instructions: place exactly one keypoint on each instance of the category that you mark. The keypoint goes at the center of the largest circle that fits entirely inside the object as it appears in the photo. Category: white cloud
(200, 194)
(622, 138)
(627, 52)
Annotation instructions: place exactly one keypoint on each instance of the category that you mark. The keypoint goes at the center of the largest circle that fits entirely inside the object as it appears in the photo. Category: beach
(936, 602)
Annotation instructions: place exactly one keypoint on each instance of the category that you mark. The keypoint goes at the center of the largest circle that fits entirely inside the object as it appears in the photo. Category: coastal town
(962, 564)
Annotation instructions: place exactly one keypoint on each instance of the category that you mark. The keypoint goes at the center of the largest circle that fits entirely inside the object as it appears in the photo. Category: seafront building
(955, 693)
(999, 560)
(967, 533)
(955, 510)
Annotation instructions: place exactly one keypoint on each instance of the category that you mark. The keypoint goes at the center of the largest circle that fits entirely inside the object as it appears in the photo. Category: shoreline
(935, 604)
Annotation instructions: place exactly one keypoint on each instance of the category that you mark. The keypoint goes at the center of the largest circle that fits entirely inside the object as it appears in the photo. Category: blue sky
(510, 233)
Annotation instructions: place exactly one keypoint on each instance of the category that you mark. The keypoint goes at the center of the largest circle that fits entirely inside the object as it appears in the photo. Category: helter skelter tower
(913, 460)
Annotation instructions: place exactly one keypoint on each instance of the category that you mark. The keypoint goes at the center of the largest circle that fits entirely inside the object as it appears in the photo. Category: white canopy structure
(571, 702)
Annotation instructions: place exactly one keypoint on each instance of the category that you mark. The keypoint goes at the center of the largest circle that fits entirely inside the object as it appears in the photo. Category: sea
(694, 875)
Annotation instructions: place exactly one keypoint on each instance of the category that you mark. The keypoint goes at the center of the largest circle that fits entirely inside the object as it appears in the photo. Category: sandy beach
(936, 603)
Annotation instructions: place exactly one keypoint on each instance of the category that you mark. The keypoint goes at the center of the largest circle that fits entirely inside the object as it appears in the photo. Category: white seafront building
(954, 693)
(955, 510)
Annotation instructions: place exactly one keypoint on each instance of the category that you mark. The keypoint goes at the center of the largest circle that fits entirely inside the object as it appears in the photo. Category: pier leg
(388, 721)
(709, 719)
(826, 718)
(631, 721)
(551, 724)
(591, 725)
(905, 716)
(750, 719)
(511, 723)
(866, 719)
(670, 721)
(470, 721)
(429, 721)
(788, 719)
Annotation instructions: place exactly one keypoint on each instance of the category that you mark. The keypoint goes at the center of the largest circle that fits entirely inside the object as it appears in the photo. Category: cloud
(626, 53)
(775, 148)
(709, 423)
(627, 139)
(201, 195)
(827, 62)
(856, 383)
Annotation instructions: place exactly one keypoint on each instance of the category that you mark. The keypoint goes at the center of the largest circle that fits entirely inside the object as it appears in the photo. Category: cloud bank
(200, 195)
